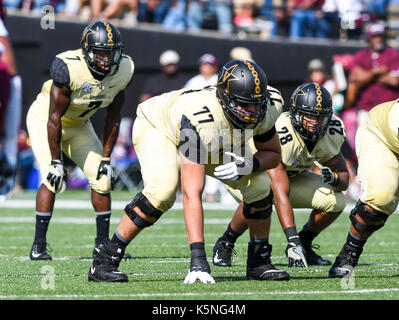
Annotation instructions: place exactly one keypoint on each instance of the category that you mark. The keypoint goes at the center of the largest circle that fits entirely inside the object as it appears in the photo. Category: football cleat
(106, 262)
(126, 256)
(39, 251)
(312, 257)
(222, 253)
(345, 262)
(266, 272)
(259, 266)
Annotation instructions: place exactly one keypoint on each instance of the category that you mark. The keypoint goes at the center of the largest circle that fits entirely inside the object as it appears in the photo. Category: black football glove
(328, 175)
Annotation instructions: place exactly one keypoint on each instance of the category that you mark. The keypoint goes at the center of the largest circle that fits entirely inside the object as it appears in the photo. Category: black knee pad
(368, 216)
(146, 207)
(261, 209)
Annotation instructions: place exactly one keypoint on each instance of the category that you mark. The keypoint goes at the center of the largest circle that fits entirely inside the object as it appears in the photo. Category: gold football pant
(160, 167)
(307, 190)
(378, 172)
(79, 143)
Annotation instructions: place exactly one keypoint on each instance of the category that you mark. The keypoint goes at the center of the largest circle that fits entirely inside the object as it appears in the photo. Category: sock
(230, 235)
(355, 242)
(102, 224)
(292, 235)
(255, 240)
(119, 240)
(306, 235)
(42, 222)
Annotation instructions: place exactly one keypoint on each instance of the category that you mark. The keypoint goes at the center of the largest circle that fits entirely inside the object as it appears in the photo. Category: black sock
(265, 241)
(354, 242)
(292, 235)
(119, 240)
(230, 235)
(102, 224)
(42, 222)
(306, 235)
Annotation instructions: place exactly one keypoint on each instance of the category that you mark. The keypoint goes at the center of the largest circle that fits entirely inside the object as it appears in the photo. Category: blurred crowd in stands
(267, 18)
(357, 82)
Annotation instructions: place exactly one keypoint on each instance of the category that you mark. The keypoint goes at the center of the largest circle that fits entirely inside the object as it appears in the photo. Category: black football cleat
(312, 258)
(345, 262)
(222, 253)
(39, 252)
(105, 264)
(126, 256)
(259, 266)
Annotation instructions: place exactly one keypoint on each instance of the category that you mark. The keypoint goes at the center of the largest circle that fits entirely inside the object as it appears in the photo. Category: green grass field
(161, 259)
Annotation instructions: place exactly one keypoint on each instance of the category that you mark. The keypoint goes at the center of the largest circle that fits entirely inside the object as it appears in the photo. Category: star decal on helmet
(88, 32)
(227, 76)
(300, 93)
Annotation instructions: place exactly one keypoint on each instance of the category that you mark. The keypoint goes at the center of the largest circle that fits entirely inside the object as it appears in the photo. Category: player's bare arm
(269, 152)
(192, 182)
(281, 190)
(112, 122)
(59, 102)
(338, 166)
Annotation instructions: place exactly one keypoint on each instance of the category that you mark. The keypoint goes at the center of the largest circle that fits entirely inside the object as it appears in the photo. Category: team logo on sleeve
(87, 87)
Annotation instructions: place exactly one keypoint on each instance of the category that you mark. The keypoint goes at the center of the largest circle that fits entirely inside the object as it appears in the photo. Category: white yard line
(199, 294)
(92, 220)
(118, 205)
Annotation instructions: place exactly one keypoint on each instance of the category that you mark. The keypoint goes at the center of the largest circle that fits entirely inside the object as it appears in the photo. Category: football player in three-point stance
(198, 132)
(82, 81)
(308, 133)
(377, 150)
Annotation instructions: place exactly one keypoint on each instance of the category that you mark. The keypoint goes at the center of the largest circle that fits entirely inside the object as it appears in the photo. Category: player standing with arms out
(82, 81)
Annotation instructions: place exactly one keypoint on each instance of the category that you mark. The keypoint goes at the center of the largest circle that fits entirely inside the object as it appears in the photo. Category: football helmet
(311, 110)
(102, 47)
(242, 82)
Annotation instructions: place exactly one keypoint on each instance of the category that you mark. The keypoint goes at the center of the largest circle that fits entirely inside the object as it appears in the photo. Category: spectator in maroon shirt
(376, 70)
(374, 78)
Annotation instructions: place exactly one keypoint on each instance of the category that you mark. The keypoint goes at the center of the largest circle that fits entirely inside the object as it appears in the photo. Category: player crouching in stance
(377, 150)
(184, 131)
(308, 133)
(82, 81)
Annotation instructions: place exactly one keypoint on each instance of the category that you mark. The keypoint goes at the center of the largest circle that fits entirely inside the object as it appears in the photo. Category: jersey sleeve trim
(264, 137)
(190, 144)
